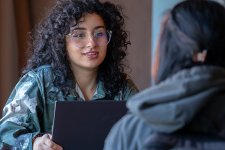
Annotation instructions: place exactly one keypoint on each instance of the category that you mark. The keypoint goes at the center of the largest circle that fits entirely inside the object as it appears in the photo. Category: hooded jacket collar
(175, 102)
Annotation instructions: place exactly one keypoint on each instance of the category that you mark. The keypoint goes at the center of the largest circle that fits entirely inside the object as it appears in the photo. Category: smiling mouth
(91, 54)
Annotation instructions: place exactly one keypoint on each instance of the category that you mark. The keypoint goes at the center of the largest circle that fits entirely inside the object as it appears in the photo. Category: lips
(91, 54)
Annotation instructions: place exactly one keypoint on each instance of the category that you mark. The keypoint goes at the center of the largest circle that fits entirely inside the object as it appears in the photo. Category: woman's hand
(45, 143)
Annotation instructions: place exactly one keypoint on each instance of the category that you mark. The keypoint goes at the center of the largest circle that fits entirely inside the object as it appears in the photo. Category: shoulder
(37, 75)
(128, 133)
(43, 73)
(40, 77)
(32, 83)
(130, 88)
(46, 69)
(129, 81)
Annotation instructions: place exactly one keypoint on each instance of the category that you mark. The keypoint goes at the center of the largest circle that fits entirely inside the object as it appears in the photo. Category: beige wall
(139, 25)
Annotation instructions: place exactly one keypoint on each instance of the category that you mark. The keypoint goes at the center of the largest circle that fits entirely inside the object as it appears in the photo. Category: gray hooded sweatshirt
(194, 98)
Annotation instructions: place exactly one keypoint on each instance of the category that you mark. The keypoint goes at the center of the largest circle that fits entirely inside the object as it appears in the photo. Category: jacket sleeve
(20, 121)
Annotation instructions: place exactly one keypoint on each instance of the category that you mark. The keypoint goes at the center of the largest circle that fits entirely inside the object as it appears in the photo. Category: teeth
(91, 53)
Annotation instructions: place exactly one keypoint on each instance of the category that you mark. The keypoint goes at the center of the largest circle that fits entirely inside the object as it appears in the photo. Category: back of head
(190, 28)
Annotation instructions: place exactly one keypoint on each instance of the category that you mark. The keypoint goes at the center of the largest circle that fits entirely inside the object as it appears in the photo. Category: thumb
(50, 136)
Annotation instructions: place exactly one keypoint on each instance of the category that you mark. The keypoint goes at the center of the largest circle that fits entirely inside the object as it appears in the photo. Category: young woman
(189, 70)
(77, 55)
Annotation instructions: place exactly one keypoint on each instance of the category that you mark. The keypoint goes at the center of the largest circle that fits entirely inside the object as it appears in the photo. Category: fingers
(50, 136)
(49, 143)
(39, 144)
(44, 147)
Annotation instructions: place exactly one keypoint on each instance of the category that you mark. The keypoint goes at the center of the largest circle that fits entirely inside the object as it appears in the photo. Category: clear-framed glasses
(81, 38)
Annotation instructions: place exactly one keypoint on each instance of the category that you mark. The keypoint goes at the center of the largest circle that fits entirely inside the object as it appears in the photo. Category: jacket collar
(99, 94)
(173, 103)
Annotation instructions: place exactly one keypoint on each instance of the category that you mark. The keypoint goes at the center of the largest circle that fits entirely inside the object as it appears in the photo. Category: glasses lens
(79, 38)
(102, 37)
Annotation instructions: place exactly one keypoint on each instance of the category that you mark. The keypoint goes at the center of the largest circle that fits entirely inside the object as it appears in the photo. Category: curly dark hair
(49, 45)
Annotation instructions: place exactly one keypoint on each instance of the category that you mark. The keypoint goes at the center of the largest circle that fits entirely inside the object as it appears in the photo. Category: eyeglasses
(81, 38)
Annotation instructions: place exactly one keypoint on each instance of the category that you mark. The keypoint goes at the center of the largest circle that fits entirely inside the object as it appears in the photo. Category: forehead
(90, 22)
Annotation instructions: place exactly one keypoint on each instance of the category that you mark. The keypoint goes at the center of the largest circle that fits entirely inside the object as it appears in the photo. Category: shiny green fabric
(30, 108)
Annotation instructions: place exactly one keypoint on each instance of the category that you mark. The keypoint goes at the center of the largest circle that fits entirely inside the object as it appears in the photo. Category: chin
(91, 67)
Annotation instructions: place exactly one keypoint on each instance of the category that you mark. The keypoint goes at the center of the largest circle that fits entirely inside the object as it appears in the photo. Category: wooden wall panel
(8, 51)
(22, 18)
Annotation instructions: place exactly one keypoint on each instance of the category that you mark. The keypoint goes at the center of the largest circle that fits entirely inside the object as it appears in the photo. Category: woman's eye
(100, 34)
(79, 35)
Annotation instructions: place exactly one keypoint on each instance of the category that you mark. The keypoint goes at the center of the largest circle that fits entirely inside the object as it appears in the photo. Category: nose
(91, 42)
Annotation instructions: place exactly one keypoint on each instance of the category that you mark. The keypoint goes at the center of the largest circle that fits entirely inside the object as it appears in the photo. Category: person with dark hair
(77, 55)
(189, 95)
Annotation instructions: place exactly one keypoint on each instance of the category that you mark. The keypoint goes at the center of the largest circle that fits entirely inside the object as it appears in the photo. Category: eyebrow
(82, 28)
(97, 27)
(78, 28)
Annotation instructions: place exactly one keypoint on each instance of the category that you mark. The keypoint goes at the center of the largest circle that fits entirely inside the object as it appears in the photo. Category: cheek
(73, 53)
(155, 70)
(69, 53)
(155, 66)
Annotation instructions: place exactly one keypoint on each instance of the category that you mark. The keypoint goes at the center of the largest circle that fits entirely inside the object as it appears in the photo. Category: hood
(192, 94)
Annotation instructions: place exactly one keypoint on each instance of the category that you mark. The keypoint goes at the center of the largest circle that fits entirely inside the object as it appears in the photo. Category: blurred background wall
(18, 18)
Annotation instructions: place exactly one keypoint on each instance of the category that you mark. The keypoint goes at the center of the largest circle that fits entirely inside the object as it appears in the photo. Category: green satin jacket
(30, 108)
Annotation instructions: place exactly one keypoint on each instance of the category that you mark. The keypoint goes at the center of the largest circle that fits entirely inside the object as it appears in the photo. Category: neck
(86, 79)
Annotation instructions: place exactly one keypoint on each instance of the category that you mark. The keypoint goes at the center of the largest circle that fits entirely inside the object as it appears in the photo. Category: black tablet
(84, 125)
